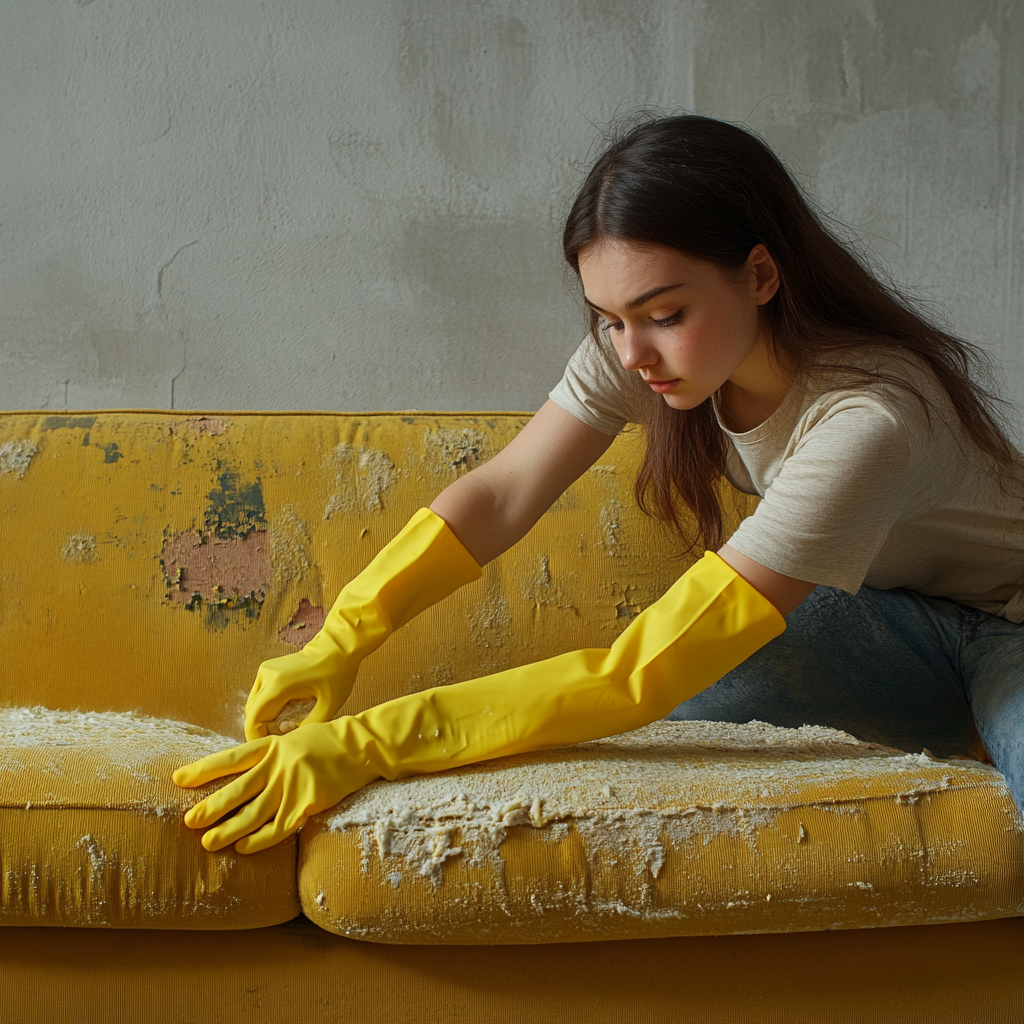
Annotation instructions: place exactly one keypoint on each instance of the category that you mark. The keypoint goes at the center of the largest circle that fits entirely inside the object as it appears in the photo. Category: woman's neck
(754, 391)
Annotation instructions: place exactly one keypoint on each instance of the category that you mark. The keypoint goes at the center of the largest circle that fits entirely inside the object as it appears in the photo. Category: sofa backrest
(150, 561)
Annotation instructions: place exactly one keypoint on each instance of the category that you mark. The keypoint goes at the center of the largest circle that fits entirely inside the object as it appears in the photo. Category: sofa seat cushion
(93, 833)
(681, 828)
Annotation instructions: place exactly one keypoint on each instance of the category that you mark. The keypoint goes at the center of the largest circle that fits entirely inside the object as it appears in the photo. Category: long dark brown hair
(713, 190)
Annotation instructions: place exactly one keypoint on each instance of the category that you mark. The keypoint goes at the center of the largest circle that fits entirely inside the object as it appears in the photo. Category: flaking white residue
(15, 456)
(542, 590)
(97, 857)
(489, 620)
(100, 753)
(345, 492)
(289, 545)
(675, 829)
(110, 847)
(360, 478)
(79, 547)
(611, 523)
(452, 450)
(631, 797)
(435, 823)
(376, 474)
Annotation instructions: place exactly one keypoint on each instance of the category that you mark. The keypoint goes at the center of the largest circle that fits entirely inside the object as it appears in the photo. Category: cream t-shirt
(856, 487)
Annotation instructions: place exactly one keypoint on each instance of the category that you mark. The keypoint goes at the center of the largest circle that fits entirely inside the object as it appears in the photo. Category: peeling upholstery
(215, 541)
(93, 835)
(680, 828)
(150, 561)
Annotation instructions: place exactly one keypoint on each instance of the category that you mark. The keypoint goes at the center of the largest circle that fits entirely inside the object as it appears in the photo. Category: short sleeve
(828, 511)
(596, 389)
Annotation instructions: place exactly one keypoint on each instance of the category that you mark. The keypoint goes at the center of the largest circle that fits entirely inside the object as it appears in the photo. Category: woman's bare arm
(785, 592)
(496, 504)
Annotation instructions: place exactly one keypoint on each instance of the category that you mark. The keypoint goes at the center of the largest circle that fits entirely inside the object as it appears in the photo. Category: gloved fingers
(251, 703)
(254, 730)
(254, 689)
(237, 792)
(324, 710)
(293, 812)
(224, 762)
(261, 809)
(270, 835)
(265, 706)
(298, 803)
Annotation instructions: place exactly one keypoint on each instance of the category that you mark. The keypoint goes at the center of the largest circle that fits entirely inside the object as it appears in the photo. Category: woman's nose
(634, 351)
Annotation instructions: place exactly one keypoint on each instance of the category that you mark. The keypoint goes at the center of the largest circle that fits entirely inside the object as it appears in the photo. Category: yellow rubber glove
(423, 564)
(708, 622)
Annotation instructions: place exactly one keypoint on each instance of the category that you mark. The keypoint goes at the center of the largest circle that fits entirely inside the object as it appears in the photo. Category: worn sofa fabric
(92, 832)
(185, 549)
(298, 972)
(150, 560)
(680, 828)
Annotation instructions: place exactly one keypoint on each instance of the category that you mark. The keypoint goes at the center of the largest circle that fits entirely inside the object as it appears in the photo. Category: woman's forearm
(479, 513)
(498, 503)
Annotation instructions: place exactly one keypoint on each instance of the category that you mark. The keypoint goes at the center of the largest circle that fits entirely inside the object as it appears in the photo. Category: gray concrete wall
(356, 204)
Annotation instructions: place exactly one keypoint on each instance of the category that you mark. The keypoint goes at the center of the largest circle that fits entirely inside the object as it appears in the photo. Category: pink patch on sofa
(304, 625)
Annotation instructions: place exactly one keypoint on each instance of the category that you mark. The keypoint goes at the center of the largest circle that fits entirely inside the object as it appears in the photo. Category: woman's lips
(661, 386)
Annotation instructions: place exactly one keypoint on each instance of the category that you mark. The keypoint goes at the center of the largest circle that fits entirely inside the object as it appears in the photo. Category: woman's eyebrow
(640, 299)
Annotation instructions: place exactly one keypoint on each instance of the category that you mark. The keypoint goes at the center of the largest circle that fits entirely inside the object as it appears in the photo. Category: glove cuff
(424, 564)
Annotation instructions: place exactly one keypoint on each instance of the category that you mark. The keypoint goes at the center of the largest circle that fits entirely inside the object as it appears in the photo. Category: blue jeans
(889, 666)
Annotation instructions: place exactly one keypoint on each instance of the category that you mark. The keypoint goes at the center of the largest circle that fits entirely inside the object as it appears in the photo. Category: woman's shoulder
(886, 382)
(858, 365)
(887, 377)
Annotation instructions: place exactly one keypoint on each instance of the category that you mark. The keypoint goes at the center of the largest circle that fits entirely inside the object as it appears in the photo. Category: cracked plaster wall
(357, 206)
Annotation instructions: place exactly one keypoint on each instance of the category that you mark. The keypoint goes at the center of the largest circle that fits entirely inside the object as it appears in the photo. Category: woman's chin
(684, 400)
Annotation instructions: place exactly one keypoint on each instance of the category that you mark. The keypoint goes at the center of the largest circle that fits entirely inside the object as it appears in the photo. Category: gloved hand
(707, 623)
(287, 778)
(423, 564)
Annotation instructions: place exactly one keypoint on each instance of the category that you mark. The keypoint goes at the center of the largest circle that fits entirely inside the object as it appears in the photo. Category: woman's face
(680, 322)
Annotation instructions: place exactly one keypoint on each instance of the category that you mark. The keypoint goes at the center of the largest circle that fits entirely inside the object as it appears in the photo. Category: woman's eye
(604, 325)
(668, 321)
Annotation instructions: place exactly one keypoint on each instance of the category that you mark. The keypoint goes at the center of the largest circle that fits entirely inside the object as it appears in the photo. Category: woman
(877, 588)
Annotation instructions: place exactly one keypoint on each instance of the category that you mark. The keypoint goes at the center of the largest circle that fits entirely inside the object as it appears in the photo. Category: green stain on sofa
(235, 509)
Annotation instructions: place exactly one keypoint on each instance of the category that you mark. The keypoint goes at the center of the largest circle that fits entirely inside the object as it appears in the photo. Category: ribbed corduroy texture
(937, 974)
(682, 828)
(93, 836)
(151, 561)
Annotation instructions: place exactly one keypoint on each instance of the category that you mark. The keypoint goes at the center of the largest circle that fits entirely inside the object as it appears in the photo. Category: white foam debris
(290, 717)
(15, 456)
(46, 727)
(100, 751)
(79, 547)
(745, 737)
(629, 797)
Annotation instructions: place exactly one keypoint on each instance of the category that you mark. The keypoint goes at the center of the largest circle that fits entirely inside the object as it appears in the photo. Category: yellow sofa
(150, 560)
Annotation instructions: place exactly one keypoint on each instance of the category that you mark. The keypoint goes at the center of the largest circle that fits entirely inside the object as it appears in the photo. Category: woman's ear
(764, 274)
